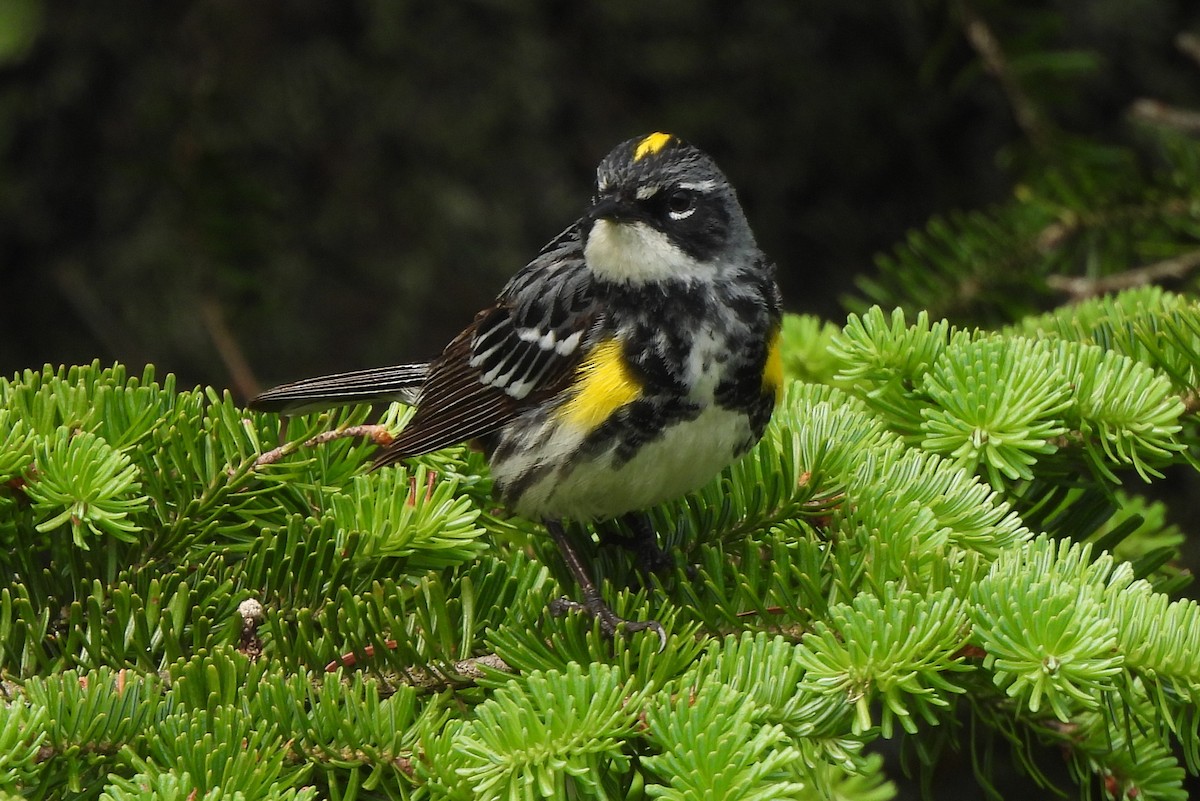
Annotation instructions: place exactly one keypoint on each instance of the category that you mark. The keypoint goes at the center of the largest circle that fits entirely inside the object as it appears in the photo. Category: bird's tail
(381, 384)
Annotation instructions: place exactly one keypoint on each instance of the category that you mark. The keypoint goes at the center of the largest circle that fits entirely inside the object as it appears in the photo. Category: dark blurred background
(243, 193)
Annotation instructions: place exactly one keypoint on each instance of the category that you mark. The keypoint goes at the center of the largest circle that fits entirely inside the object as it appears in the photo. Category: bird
(630, 362)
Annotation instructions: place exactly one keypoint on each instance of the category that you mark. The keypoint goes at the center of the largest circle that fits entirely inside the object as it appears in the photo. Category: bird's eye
(681, 203)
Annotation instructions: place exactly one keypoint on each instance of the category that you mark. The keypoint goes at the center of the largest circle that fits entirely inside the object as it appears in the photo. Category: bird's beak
(614, 208)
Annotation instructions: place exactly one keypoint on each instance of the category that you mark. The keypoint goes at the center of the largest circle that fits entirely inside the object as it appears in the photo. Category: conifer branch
(1156, 112)
(991, 53)
(432, 679)
(1189, 45)
(226, 344)
(460, 674)
(1081, 287)
(377, 434)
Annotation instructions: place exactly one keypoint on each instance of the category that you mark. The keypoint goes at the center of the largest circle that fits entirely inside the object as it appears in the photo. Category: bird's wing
(514, 355)
(400, 383)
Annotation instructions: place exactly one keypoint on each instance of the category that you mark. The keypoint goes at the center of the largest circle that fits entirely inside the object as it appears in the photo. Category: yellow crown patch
(650, 145)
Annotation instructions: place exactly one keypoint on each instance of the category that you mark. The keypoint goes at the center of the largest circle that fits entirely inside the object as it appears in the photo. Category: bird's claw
(610, 622)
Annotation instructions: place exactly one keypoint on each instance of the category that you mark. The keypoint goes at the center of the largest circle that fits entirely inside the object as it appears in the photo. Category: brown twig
(464, 671)
(1189, 45)
(97, 315)
(471, 670)
(376, 433)
(228, 348)
(1080, 288)
(1156, 112)
(987, 46)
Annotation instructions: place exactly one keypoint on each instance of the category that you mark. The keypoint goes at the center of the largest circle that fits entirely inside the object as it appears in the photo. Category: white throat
(635, 253)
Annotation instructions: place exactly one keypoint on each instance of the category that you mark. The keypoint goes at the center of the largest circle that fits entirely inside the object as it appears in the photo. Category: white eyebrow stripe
(699, 186)
(646, 192)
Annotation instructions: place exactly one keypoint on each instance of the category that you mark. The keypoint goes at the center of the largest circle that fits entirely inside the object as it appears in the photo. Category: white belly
(687, 456)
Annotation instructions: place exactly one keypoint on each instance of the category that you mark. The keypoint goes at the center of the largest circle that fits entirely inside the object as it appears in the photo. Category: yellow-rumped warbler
(629, 363)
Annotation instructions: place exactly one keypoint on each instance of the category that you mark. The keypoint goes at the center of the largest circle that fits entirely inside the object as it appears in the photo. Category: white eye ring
(688, 207)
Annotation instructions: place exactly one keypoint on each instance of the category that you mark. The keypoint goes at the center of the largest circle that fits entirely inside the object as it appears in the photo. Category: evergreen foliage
(926, 535)
(939, 541)
(1088, 212)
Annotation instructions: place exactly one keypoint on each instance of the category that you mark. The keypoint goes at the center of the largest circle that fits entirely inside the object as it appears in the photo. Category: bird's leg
(593, 604)
(644, 544)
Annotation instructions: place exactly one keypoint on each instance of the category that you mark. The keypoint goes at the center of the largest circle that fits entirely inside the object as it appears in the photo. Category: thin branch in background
(72, 281)
(1080, 288)
(988, 48)
(1156, 112)
(1189, 45)
(228, 348)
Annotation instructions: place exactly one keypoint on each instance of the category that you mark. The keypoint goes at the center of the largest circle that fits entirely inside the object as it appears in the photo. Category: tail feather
(381, 384)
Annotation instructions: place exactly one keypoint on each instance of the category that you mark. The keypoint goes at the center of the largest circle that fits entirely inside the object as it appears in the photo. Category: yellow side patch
(603, 384)
(773, 369)
(650, 145)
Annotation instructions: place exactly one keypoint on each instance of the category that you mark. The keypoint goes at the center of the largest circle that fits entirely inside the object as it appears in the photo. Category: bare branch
(462, 672)
(987, 46)
(228, 348)
(1189, 44)
(376, 433)
(430, 679)
(1080, 288)
(1155, 112)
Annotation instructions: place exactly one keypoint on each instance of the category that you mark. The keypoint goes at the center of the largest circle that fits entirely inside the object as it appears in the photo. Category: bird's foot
(610, 622)
(649, 557)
